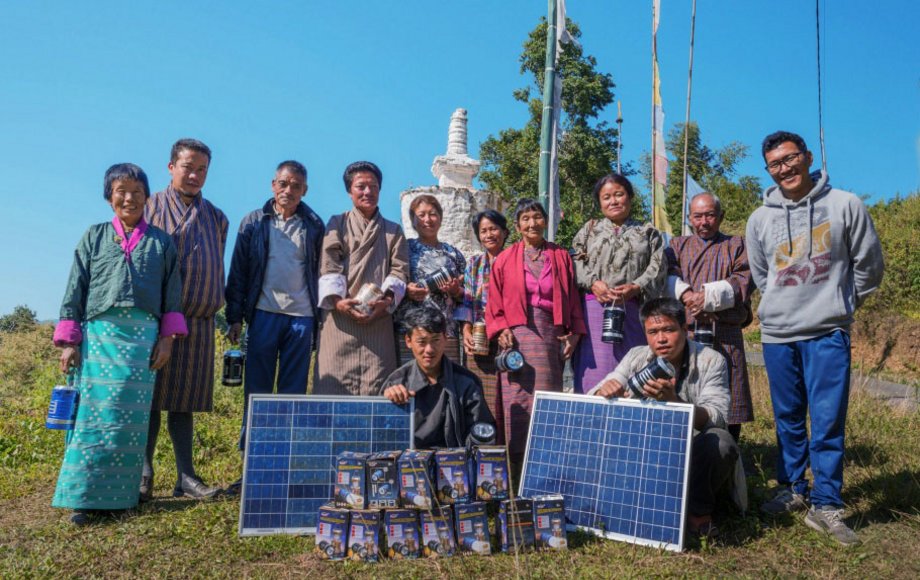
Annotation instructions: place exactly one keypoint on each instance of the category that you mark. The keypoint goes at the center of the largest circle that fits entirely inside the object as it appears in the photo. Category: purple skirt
(594, 359)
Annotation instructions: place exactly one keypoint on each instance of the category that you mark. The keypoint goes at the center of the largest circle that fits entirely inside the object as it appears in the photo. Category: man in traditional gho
(710, 275)
(186, 384)
(356, 351)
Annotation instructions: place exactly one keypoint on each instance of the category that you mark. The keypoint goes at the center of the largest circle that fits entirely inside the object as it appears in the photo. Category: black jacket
(250, 254)
(460, 406)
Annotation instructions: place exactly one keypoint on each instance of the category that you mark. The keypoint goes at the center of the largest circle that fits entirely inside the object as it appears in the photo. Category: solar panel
(291, 446)
(621, 465)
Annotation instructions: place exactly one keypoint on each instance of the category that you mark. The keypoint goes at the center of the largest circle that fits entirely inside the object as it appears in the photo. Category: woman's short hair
(493, 216)
(668, 307)
(426, 317)
(526, 204)
(358, 167)
(617, 178)
(120, 172)
(430, 200)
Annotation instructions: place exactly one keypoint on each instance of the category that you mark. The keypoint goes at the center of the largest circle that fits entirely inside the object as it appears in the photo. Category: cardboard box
(515, 524)
(438, 532)
(364, 536)
(491, 469)
(383, 480)
(403, 532)
(453, 469)
(349, 489)
(416, 478)
(473, 528)
(332, 532)
(549, 522)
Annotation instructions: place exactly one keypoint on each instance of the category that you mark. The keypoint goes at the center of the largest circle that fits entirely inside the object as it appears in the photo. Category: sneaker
(786, 501)
(829, 520)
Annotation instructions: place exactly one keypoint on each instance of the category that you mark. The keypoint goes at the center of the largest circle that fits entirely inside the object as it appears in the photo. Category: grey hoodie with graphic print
(815, 261)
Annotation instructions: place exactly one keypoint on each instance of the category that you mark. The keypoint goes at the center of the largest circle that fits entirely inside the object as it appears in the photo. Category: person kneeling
(448, 398)
(702, 380)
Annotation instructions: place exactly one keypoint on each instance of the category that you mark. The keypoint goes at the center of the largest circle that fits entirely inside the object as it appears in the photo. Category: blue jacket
(250, 254)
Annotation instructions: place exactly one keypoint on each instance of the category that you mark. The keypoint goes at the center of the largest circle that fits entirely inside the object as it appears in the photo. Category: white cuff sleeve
(718, 296)
(399, 290)
(676, 287)
(331, 286)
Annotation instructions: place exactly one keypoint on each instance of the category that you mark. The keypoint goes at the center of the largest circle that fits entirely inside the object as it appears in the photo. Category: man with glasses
(709, 273)
(273, 287)
(816, 257)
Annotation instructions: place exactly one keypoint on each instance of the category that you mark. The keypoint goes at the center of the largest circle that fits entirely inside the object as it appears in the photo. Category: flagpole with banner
(659, 153)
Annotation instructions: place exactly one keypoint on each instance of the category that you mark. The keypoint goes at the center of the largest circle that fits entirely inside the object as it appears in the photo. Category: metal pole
(546, 124)
(619, 135)
(683, 202)
(654, 149)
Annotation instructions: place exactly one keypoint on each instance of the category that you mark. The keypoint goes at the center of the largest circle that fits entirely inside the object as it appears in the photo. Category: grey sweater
(815, 261)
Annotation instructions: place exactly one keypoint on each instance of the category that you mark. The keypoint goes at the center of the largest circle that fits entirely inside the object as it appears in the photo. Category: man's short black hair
(494, 217)
(774, 140)
(122, 171)
(358, 167)
(294, 167)
(190, 144)
(664, 307)
(426, 317)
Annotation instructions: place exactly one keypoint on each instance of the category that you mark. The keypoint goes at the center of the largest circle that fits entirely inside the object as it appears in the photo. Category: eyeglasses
(788, 161)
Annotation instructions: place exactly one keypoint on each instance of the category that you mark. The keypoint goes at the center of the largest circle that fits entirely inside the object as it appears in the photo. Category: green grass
(183, 538)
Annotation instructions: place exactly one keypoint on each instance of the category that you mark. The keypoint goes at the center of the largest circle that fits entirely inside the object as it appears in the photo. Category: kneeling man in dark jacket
(448, 398)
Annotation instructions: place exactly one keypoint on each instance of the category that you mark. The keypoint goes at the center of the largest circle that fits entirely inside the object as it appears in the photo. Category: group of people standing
(156, 273)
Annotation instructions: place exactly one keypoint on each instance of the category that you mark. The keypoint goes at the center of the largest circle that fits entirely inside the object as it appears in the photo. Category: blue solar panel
(291, 446)
(621, 465)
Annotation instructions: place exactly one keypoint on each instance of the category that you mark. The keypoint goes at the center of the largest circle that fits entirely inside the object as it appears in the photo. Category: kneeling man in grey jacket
(701, 380)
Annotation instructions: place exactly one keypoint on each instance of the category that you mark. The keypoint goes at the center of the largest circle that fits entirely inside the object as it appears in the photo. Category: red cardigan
(506, 306)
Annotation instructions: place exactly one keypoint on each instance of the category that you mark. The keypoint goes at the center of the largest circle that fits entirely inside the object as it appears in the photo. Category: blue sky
(88, 84)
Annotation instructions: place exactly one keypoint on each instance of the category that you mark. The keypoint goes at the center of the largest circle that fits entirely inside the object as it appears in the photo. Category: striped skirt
(539, 344)
(730, 342)
(186, 383)
(483, 366)
(104, 454)
(594, 359)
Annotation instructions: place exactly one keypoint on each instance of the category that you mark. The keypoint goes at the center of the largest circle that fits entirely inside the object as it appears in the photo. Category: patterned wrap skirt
(483, 366)
(104, 454)
(539, 344)
(594, 359)
(730, 342)
(186, 383)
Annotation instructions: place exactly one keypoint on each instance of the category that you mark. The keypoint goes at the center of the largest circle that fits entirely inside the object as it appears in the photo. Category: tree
(22, 318)
(587, 148)
(715, 172)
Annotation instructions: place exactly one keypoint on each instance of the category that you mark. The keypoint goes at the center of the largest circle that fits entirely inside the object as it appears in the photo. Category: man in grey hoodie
(815, 256)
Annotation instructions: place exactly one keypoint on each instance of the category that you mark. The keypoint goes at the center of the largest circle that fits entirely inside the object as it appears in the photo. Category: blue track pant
(811, 376)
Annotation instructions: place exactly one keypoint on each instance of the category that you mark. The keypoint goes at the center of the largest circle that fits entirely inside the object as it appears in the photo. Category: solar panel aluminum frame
(251, 532)
(680, 407)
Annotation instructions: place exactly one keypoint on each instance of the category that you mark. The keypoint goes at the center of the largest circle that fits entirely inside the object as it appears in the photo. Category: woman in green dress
(120, 314)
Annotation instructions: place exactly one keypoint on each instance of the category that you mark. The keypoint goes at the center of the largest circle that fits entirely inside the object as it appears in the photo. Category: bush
(22, 318)
(896, 222)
